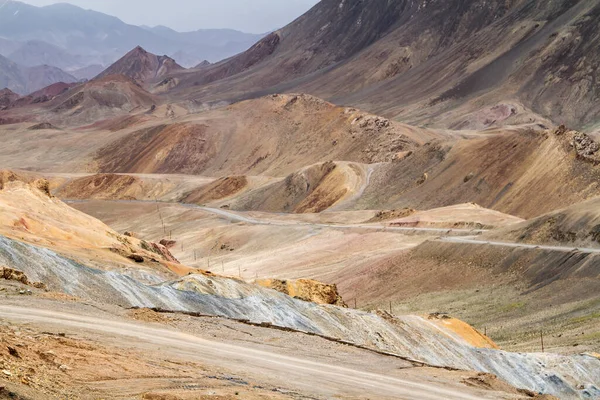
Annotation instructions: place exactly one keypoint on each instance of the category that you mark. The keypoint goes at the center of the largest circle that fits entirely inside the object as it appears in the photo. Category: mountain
(7, 97)
(24, 80)
(207, 44)
(101, 98)
(445, 64)
(43, 95)
(11, 76)
(142, 66)
(276, 144)
(44, 75)
(151, 193)
(70, 27)
(213, 37)
(37, 52)
(8, 46)
(88, 72)
(89, 37)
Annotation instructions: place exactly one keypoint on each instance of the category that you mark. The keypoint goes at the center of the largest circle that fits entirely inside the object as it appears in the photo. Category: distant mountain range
(24, 80)
(83, 41)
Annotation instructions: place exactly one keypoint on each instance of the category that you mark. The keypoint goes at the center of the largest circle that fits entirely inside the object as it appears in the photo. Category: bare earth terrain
(381, 200)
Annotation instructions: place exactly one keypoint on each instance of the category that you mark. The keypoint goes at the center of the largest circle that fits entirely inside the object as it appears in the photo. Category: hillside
(577, 225)
(379, 200)
(43, 95)
(522, 172)
(7, 97)
(283, 140)
(100, 99)
(310, 190)
(376, 57)
(147, 282)
(30, 214)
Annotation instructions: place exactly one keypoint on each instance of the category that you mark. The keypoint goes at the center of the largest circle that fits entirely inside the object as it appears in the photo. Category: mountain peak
(139, 49)
(6, 91)
(142, 66)
(7, 96)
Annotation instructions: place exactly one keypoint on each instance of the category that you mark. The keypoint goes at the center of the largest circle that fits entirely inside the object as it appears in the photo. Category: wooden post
(485, 330)
(355, 303)
(542, 339)
(391, 311)
(240, 271)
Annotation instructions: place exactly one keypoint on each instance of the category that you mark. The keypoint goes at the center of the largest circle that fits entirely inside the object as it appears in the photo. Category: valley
(386, 199)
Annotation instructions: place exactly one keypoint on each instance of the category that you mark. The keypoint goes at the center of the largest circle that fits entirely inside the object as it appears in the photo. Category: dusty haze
(256, 16)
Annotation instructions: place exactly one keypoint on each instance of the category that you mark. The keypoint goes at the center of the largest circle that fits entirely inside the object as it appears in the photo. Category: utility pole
(160, 216)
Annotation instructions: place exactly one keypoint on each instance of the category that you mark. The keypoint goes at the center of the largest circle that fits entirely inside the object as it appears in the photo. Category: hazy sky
(254, 16)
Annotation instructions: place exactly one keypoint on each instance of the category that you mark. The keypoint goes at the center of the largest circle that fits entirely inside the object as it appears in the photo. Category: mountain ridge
(431, 63)
(90, 37)
(25, 80)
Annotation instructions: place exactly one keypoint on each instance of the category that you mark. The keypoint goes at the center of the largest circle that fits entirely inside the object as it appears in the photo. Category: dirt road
(315, 377)
(240, 217)
(565, 249)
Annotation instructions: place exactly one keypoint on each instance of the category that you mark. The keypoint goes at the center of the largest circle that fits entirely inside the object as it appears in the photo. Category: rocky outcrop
(42, 126)
(167, 243)
(306, 290)
(586, 148)
(8, 176)
(160, 250)
(10, 274)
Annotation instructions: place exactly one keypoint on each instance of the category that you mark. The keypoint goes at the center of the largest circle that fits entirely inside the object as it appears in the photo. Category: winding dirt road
(239, 217)
(467, 236)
